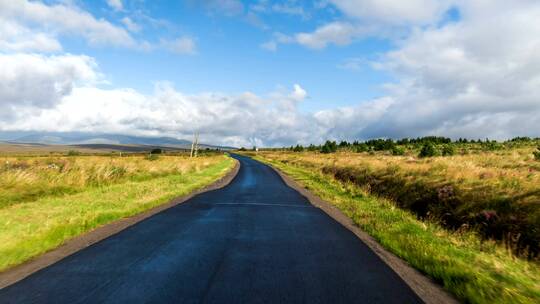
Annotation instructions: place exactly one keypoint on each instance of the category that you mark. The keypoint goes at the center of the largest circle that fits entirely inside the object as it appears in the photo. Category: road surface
(254, 241)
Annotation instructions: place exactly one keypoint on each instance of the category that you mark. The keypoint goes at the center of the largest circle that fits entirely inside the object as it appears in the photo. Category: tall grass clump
(536, 153)
(24, 179)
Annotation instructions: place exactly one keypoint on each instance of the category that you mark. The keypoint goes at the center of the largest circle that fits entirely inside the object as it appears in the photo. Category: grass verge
(32, 228)
(475, 271)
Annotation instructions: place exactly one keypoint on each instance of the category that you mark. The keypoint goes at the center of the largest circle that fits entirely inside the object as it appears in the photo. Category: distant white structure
(195, 145)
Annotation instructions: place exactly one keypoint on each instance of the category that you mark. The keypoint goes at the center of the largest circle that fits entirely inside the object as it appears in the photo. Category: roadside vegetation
(466, 214)
(45, 200)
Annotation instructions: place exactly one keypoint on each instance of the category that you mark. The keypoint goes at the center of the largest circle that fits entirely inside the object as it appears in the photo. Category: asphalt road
(254, 241)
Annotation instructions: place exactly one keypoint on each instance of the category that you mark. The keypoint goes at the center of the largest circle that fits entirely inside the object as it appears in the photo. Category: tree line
(428, 146)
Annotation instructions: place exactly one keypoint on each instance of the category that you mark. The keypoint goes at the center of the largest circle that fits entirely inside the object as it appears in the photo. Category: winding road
(254, 241)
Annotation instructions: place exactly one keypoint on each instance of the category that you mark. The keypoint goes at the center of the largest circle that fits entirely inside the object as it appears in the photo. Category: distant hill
(82, 138)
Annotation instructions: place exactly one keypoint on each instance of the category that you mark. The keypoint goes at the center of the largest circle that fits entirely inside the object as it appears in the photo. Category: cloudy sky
(272, 72)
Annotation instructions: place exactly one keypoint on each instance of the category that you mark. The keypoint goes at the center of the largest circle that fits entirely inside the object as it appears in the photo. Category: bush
(152, 157)
(298, 148)
(73, 153)
(312, 147)
(428, 150)
(361, 148)
(381, 144)
(329, 147)
(156, 151)
(537, 154)
(448, 150)
(397, 150)
(491, 146)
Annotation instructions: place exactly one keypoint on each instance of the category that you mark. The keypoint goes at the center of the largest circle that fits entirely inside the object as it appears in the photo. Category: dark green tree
(329, 147)
(428, 150)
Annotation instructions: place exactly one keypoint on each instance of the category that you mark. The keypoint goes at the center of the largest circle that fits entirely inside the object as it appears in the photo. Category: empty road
(253, 241)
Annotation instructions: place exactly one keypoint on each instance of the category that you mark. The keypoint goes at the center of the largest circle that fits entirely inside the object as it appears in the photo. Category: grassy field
(46, 200)
(397, 200)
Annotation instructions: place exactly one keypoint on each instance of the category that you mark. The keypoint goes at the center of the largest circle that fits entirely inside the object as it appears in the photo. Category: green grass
(31, 228)
(473, 270)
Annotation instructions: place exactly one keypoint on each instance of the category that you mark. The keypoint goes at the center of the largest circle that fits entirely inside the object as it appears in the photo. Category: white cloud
(394, 11)
(298, 94)
(35, 26)
(116, 4)
(14, 37)
(181, 45)
(130, 24)
(220, 118)
(338, 33)
(35, 82)
(65, 19)
(59, 93)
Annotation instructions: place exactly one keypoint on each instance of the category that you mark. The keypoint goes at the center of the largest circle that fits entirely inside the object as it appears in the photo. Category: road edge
(429, 291)
(19, 272)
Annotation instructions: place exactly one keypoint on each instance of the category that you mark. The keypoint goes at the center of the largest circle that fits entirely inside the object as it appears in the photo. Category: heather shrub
(397, 150)
(448, 150)
(428, 150)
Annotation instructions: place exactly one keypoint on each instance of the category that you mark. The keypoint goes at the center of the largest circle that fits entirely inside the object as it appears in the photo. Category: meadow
(469, 220)
(46, 200)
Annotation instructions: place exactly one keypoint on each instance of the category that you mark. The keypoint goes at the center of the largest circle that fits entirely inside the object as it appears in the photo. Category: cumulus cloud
(338, 33)
(241, 119)
(14, 37)
(117, 5)
(396, 12)
(476, 77)
(64, 18)
(35, 82)
(35, 27)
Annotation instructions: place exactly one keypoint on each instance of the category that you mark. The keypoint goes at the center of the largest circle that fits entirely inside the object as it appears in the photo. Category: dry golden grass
(497, 193)
(24, 179)
(509, 172)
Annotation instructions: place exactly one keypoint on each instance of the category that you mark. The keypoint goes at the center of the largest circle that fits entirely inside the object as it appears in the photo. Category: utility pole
(194, 145)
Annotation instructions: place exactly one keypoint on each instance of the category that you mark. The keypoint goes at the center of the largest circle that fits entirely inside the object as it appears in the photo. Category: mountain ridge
(87, 138)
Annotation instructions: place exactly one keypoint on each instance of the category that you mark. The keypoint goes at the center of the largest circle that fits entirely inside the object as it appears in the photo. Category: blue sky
(228, 56)
(272, 73)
